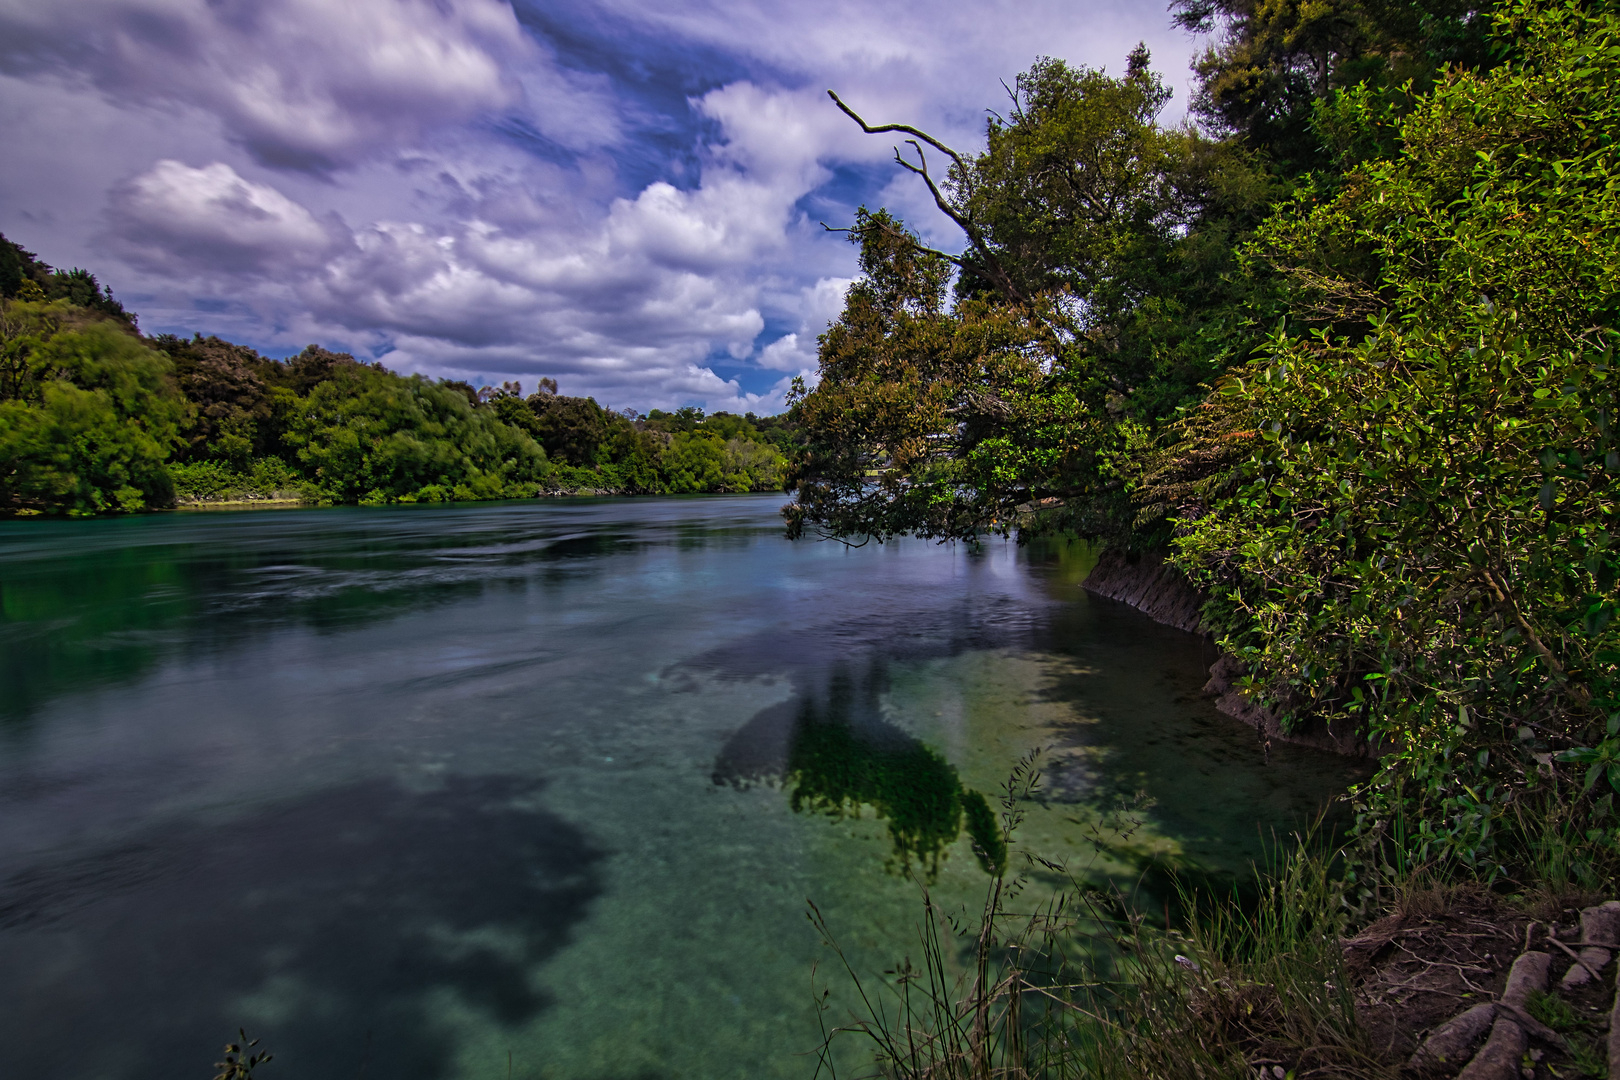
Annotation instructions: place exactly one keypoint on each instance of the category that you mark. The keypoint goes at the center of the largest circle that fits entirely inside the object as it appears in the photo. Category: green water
(416, 792)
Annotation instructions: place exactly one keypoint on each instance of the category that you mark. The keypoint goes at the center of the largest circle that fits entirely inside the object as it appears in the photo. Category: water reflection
(838, 756)
(353, 917)
(91, 604)
(446, 775)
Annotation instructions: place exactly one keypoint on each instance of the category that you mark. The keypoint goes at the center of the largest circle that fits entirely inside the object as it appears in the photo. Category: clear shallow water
(406, 791)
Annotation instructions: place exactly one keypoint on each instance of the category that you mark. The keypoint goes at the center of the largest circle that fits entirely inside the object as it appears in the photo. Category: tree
(1277, 64)
(571, 429)
(371, 436)
(930, 419)
(227, 384)
(21, 271)
(88, 415)
(1420, 533)
(1095, 298)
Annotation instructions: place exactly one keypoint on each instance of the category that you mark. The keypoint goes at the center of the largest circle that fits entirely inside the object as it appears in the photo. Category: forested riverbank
(96, 418)
(1341, 351)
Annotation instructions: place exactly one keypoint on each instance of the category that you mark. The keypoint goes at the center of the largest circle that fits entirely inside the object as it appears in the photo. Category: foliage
(1424, 547)
(1401, 497)
(701, 461)
(1098, 294)
(1275, 65)
(216, 481)
(1127, 225)
(1423, 538)
(924, 416)
(237, 426)
(571, 429)
(95, 418)
(370, 436)
(1079, 984)
(24, 277)
(228, 385)
(88, 414)
(241, 1059)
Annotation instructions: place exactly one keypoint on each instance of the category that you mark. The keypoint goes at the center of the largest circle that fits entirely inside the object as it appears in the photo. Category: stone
(1454, 1040)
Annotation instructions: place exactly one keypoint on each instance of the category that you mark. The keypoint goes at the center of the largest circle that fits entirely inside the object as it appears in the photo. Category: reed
(1085, 984)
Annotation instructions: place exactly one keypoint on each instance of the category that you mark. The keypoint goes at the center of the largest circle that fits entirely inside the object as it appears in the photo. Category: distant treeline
(95, 418)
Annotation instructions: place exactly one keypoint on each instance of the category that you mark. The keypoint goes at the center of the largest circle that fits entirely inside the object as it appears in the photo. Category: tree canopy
(1345, 349)
(95, 418)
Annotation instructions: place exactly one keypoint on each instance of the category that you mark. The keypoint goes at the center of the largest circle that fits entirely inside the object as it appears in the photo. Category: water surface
(421, 792)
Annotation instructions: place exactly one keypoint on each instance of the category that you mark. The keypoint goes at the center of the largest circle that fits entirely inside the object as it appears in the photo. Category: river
(496, 789)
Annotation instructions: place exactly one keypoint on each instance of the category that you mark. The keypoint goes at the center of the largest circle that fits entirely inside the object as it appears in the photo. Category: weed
(1588, 1055)
(1081, 986)
(240, 1060)
(1554, 1011)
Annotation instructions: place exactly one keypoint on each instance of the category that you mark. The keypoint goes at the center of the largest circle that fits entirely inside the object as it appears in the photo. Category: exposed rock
(1230, 698)
(1600, 931)
(1151, 585)
(1160, 591)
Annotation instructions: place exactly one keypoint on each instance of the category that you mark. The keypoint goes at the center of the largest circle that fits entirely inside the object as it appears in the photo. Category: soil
(1417, 968)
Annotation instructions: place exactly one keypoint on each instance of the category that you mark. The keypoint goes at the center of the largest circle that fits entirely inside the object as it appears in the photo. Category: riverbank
(1150, 584)
(1448, 980)
(244, 504)
(1440, 976)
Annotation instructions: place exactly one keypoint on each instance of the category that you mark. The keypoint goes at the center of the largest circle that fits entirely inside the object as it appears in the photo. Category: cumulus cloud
(182, 219)
(620, 194)
(817, 305)
(300, 83)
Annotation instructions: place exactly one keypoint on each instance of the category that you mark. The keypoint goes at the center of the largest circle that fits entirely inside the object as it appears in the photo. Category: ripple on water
(407, 790)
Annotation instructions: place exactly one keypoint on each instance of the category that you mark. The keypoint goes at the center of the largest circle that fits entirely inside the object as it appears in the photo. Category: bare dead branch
(907, 128)
(975, 236)
(899, 234)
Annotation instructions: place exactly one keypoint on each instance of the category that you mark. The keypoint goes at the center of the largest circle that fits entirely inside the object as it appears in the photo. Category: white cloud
(180, 218)
(428, 176)
(817, 305)
(300, 83)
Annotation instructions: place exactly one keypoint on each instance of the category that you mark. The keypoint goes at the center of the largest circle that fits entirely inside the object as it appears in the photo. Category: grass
(1083, 985)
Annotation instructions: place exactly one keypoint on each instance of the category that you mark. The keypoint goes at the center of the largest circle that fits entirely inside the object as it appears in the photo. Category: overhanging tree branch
(990, 264)
(900, 234)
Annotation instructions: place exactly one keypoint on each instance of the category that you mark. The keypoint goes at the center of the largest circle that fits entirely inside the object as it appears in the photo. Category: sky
(627, 196)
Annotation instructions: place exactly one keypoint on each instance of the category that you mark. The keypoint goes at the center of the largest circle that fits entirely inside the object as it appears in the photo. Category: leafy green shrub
(88, 415)
(369, 436)
(217, 481)
(1422, 538)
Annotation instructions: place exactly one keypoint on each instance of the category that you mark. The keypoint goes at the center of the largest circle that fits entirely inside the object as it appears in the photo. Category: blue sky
(623, 195)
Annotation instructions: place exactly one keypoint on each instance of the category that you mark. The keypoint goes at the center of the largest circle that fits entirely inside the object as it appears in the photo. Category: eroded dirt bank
(1160, 591)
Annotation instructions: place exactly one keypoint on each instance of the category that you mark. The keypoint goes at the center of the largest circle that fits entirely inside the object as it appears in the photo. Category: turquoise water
(442, 791)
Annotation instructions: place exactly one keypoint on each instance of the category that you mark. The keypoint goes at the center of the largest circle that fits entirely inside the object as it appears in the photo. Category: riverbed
(498, 789)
